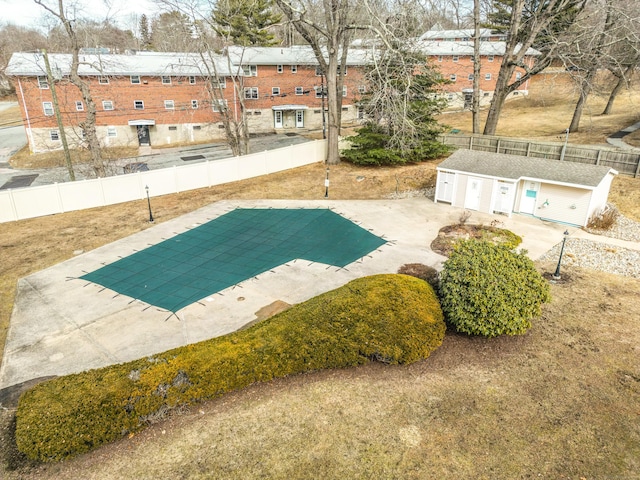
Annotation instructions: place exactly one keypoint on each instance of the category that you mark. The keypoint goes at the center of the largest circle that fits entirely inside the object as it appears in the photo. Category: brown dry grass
(55, 158)
(559, 402)
(10, 117)
(547, 112)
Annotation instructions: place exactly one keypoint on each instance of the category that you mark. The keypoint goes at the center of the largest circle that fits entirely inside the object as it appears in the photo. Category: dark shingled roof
(515, 167)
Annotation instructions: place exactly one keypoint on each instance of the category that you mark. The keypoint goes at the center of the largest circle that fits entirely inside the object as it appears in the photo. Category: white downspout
(26, 111)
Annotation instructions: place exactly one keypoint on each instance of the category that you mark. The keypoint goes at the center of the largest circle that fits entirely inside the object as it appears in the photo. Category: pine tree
(246, 23)
(145, 35)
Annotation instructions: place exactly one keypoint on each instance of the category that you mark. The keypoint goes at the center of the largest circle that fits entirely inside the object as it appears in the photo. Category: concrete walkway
(61, 324)
(616, 138)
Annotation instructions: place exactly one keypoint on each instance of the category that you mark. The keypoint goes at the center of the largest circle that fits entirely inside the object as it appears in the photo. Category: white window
(345, 70)
(222, 82)
(138, 104)
(194, 104)
(453, 77)
(135, 79)
(320, 92)
(318, 71)
(250, 70)
(251, 93)
(294, 68)
(219, 105)
(103, 80)
(43, 83)
(440, 58)
(360, 113)
(450, 96)
(166, 80)
(299, 90)
(79, 106)
(344, 90)
(275, 90)
(169, 104)
(470, 77)
(487, 76)
(490, 58)
(47, 107)
(112, 132)
(107, 105)
(54, 135)
(518, 75)
(455, 58)
(279, 68)
(362, 89)
(192, 80)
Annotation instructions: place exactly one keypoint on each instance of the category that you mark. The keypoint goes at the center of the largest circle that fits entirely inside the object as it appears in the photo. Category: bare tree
(531, 23)
(475, 106)
(16, 39)
(89, 123)
(327, 27)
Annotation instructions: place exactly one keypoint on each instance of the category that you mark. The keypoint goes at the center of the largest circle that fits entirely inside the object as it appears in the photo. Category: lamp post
(326, 185)
(556, 275)
(149, 204)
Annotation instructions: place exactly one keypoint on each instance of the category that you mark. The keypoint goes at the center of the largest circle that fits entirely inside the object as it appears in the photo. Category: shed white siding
(564, 204)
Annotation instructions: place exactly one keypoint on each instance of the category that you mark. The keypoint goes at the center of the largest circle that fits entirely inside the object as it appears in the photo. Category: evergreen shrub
(488, 289)
(390, 318)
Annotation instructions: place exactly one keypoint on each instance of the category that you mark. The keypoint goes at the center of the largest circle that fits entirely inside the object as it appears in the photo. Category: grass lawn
(562, 401)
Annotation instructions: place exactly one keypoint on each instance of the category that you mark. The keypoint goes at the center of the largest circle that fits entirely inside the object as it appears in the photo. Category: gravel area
(624, 229)
(597, 256)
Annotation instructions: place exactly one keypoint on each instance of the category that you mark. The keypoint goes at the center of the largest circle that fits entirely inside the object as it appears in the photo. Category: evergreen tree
(245, 22)
(401, 106)
(145, 35)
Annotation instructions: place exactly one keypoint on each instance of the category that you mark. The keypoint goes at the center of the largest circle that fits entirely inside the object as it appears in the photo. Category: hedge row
(389, 318)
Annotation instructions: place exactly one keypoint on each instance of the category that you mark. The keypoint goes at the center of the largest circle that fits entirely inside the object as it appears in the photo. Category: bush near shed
(389, 318)
(490, 290)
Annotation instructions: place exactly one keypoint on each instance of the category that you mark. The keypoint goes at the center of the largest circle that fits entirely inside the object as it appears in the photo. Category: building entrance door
(144, 139)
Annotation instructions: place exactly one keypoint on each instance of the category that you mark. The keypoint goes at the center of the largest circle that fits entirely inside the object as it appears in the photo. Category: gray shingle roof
(515, 167)
(432, 47)
(294, 55)
(141, 63)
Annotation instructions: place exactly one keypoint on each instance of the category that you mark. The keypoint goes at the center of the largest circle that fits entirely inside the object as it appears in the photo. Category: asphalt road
(13, 139)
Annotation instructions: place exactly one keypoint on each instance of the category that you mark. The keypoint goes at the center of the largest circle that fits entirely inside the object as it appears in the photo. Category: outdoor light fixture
(149, 204)
(556, 275)
(326, 185)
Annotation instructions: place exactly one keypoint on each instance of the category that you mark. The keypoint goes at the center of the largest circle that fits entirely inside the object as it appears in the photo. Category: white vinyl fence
(43, 200)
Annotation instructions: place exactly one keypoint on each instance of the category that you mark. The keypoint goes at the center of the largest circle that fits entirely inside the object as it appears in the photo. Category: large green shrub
(490, 290)
(389, 318)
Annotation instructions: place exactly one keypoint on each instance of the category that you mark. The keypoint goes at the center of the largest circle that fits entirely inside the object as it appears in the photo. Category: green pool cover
(232, 248)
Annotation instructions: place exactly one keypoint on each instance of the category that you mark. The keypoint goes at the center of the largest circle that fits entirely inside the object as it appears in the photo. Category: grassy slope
(558, 401)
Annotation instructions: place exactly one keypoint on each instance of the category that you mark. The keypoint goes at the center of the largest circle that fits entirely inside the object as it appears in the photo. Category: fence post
(528, 150)
(598, 157)
(470, 142)
(635, 175)
(498, 146)
(14, 209)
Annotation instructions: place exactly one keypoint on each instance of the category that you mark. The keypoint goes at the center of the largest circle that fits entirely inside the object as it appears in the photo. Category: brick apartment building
(149, 98)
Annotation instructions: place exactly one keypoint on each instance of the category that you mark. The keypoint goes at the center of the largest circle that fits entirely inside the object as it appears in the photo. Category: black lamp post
(556, 275)
(326, 185)
(149, 204)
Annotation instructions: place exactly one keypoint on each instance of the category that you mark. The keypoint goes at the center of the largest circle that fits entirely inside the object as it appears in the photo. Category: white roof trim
(289, 107)
(142, 121)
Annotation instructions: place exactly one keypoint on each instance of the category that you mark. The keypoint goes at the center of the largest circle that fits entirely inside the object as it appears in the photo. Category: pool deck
(62, 324)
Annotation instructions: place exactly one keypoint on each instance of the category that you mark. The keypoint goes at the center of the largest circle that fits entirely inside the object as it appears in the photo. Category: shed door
(529, 197)
(472, 197)
(504, 198)
(445, 186)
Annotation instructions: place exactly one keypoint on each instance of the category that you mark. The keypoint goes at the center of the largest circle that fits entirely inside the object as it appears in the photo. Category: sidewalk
(616, 138)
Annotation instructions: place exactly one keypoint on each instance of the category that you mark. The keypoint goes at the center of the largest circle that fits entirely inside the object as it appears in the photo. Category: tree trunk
(585, 89)
(333, 114)
(622, 81)
(499, 96)
(475, 107)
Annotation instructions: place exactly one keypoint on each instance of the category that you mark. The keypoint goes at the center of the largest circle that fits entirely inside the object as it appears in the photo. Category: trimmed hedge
(389, 318)
(487, 289)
